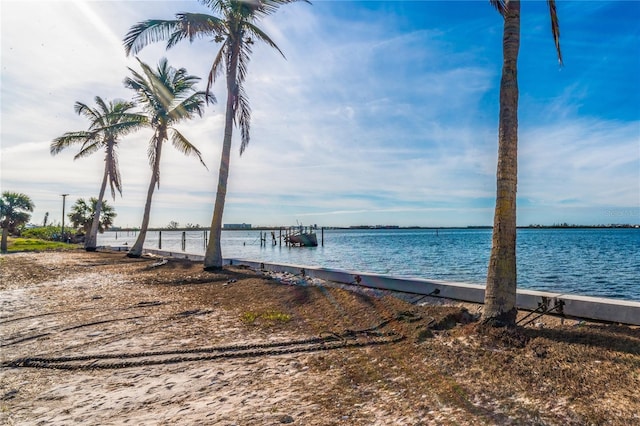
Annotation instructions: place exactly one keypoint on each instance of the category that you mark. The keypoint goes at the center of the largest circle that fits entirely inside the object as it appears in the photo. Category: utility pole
(64, 197)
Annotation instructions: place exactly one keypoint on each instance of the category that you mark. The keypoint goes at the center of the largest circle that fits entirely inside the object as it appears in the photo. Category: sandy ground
(96, 338)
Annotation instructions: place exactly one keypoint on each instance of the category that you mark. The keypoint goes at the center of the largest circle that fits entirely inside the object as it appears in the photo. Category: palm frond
(151, 149)
(197, 25)
(243, 62)
(121, 106)
(184, 146)
(103, 106)
(175, 38)
(216, 69)
(89, 147)
(261, 35)
(244, 119)
(147, 32)
(132, 123)
(555, 28)
(271, 6)
(143, 93)
(188, 107)
(20, 217)
(215, 5)
(159, 87)
(84, 110)
(257, 8)
(113, 170)
(68, 139)
(152, 153)
(500, 5)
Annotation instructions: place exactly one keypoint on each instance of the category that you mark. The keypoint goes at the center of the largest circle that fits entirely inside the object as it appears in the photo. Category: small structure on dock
(302, 238)
(294, 236)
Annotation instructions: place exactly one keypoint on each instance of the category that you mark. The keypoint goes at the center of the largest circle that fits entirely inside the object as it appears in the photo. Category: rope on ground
(314, 344)
(543, 309)
(370, 336)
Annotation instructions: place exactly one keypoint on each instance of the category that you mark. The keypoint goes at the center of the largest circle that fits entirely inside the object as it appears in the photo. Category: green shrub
(29, 244)
(50, 233)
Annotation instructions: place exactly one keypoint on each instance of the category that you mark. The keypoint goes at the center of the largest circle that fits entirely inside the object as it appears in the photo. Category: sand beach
(97, 338)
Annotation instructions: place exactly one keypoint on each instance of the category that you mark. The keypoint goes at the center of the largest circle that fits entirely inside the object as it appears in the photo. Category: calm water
(594, 262)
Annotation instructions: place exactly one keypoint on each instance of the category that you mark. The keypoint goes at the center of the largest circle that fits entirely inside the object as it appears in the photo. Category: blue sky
(383, 112)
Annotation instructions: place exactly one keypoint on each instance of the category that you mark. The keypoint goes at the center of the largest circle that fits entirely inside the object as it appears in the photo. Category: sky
(382, 113)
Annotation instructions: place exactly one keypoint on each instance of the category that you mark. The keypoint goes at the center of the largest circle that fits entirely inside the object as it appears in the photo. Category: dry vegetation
(149, 341)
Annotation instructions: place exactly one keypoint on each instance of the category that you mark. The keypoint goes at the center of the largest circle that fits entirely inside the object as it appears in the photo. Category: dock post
(159, 240)
(322, 236)
(184, 240)
(280, 236)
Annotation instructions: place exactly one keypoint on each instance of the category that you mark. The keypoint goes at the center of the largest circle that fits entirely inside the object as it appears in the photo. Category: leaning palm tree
(168, 96)
(14, 212)
(235, 27)
(108, 123)
(500, 294)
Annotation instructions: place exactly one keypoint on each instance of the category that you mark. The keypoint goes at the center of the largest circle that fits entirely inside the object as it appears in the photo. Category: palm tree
(108, 122)
(167, 96)
(500, 294)
(83, 213)
(14, 212)
(234, 27)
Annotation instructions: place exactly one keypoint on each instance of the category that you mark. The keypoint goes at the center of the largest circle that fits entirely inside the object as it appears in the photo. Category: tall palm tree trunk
(500, 294)
(213, 255)
(91, 239)
(136, 250)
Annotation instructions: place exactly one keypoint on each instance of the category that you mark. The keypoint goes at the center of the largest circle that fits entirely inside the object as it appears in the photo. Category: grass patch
(270, 316)
(33, 244)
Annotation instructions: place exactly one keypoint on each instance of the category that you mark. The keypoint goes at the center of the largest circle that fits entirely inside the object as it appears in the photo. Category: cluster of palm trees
(166, 96)
(233, 27)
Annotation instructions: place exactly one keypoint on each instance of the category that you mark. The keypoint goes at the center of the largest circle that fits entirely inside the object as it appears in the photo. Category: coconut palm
(83, 213)
(500, 294)
(233, 25)
(14, 212)
(108, 123)
(168, 96)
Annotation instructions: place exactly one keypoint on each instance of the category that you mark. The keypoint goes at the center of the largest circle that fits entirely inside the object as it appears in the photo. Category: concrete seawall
(569, 305)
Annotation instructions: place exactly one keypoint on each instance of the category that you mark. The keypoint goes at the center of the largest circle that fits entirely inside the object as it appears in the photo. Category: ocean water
(592, 262)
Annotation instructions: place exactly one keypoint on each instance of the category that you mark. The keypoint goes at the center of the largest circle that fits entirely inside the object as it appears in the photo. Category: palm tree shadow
(610, 337)
(299, 295)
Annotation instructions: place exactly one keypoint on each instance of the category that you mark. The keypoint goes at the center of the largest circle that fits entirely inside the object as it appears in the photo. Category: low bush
(33, 244)
(49, 233)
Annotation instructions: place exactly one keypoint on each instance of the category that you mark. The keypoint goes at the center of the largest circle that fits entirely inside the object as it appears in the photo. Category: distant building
(236, 226)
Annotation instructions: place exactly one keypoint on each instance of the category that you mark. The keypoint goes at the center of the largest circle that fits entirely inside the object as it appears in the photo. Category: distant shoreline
(386, 227)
